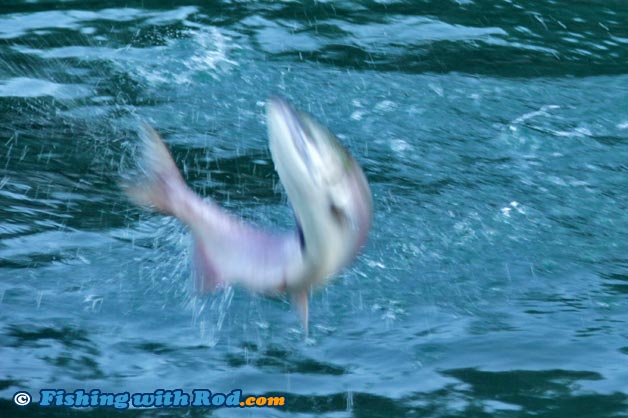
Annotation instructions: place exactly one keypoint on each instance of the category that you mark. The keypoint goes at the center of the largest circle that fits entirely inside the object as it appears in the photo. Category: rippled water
(495, 138)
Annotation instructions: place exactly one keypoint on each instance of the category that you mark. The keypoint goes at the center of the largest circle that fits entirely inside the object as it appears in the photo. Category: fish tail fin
(161, 185)
(301, 299)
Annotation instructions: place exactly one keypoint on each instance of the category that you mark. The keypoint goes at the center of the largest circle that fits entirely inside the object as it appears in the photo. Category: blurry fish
(325, 185)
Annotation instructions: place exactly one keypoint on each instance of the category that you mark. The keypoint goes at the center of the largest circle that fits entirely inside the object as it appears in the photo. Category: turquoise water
(494, 135)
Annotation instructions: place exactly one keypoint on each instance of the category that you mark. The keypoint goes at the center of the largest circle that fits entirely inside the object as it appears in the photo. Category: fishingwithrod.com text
(160, 398)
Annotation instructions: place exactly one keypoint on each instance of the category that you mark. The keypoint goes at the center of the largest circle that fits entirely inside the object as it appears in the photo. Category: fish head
(327, 188)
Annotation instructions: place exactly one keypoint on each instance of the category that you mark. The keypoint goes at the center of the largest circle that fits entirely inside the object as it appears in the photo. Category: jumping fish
(326, 187)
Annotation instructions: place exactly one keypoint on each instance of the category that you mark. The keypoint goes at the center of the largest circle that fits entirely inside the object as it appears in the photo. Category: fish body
(326, 187)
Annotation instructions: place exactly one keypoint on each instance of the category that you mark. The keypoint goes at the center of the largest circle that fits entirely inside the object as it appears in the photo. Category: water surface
(494, 135)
